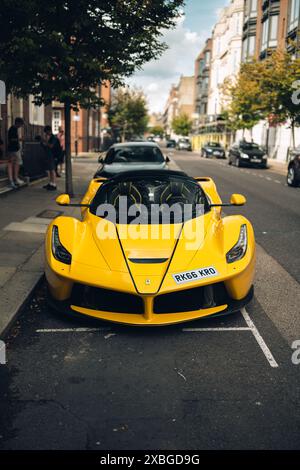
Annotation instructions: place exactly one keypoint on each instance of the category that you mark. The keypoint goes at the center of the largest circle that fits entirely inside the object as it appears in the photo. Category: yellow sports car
(152, 248)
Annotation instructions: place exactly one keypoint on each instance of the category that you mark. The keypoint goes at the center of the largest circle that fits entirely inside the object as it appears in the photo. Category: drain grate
(49, 214)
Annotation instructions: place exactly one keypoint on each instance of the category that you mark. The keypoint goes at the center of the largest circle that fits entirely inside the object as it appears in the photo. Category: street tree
(279, 81)
(157, 131)
(63, 50)
(182, 124)
(243, 103)
(129, 113)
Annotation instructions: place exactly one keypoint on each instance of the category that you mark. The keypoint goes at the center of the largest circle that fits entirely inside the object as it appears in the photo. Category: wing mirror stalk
(235, 200)
(64, 200)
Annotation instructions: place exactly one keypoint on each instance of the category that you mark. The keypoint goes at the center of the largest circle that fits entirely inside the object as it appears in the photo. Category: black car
(131, 156)
(213, 149)
(247, 154)
(171, 144)
(293, 176)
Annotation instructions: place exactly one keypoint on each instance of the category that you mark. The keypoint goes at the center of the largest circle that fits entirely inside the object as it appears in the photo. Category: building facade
(224, 51)
(180, 101)
(88, 126)
(270, 25)
(202, 80)
(171, 110)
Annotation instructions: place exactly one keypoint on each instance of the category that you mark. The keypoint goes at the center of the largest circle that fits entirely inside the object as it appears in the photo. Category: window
(265, 32)
(56, 121)
(273, 31)
(36, 113)
(294, 8)
(251, 8)
(251, 46)
(270, 32)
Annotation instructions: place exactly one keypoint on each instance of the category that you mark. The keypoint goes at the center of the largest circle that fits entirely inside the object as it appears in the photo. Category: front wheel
(237, 163)
(291, 177)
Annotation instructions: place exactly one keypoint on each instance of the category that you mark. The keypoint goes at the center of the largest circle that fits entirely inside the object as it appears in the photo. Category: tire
(291, 177)
(237, 163)
(229, 160)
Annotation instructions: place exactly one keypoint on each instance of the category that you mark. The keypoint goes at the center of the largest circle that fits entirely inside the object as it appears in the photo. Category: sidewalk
(24, 217)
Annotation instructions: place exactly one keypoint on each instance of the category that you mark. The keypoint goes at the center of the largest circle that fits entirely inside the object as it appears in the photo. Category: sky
(185, 42)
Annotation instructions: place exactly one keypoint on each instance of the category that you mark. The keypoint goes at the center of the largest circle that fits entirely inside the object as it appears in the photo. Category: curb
(17, 291)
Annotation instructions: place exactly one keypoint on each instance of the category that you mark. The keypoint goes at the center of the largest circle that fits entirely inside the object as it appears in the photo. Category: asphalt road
(213, 384)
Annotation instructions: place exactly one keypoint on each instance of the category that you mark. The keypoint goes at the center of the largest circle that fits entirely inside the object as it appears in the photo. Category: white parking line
(72, 330)
(195, 330)
(251, 327)
(269, 356)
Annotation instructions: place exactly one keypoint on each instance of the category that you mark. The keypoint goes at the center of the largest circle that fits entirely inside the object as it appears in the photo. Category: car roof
(135, 144)
(139, 174)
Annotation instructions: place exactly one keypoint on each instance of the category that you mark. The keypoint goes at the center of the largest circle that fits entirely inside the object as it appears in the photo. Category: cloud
(157, 76)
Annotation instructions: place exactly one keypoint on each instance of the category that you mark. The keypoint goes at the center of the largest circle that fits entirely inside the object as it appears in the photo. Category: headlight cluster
(239, 250)
(244, 155)
(59, 251)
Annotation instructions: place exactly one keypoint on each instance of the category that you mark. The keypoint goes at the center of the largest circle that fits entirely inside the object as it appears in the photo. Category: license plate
(195, 275)
(255, 160)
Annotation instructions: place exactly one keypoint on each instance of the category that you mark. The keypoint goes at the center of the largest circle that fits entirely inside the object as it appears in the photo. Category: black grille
(190, 300)
(106, 300)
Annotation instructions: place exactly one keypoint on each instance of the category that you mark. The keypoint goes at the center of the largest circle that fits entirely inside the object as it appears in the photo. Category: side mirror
(100, 159)
(168, 160)
(238, 200)
(63, 200)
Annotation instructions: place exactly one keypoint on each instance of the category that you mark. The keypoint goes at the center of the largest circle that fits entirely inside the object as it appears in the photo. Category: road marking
(269, 356)
(72, 330)
(195, 330)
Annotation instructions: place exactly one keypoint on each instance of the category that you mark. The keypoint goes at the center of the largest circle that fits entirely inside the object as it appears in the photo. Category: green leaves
(263, 90)
(60, 49)
(182, 125)
(129, 113)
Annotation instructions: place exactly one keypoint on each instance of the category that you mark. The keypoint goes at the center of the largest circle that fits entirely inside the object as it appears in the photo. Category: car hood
(116, 168)
(160, 250)
(253, 153)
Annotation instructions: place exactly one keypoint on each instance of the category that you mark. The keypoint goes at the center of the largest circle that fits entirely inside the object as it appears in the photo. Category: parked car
(131, 156)
(150, 279)
(293, 176)
(184, 144)
(247, 154)
(213, 149)
(171, 144)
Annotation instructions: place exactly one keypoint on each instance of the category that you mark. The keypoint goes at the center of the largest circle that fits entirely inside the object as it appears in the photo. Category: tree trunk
(293, 134)
(267, 139)
(68, 163)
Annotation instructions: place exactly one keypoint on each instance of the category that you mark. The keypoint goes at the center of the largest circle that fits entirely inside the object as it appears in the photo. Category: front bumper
(255, 163)
(149, 317)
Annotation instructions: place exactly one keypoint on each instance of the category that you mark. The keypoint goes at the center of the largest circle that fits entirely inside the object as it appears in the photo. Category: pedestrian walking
(53, 149)
(14, 154)
(61, 159)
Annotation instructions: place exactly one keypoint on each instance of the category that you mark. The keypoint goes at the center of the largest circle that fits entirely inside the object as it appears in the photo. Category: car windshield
(249, 146)
(213, 144)
(134, 154)
(158, 199)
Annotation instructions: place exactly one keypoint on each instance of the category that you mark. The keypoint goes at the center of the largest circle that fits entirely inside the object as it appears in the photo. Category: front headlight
(265, 157)
(59, 251)
(244, 155)
(239, 250)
